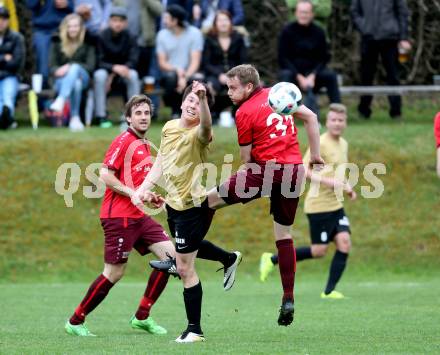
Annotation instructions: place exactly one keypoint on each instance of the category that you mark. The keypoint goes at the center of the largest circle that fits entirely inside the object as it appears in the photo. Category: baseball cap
(119, 11)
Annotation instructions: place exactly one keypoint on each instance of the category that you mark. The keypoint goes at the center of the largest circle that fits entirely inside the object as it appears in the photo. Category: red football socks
(156, 284)
(287, 264)
(95, 295)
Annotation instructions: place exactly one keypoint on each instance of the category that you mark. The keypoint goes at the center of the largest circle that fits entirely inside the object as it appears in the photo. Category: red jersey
(130, 158)
(437, 129)
(273, 136)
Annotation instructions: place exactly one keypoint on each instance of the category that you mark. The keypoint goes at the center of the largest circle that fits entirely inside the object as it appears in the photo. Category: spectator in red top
(269, 146)
(126, 164)
(437, 139)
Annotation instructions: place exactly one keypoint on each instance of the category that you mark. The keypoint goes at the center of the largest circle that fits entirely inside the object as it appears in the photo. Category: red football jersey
(437, 129)
(130, 158)
(273, 136)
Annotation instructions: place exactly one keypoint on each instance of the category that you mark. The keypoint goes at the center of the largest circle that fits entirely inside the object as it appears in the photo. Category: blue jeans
(71, 85)
(8, 92)
(41, 43)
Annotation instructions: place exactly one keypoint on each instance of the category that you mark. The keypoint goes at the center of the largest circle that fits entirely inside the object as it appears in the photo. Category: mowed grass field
(49, 254)
(380, 315)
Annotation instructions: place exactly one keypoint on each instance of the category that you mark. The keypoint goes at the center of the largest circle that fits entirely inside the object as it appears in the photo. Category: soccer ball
(284, 98)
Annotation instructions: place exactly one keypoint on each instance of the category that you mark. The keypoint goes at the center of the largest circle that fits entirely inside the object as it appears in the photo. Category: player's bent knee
(319, 251)
(281, 231)
(343, 242)
(114, 272)
(185, 271)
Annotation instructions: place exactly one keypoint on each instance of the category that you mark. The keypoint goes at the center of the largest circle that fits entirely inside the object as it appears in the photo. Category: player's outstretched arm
(151, 179)
(312, 128)
(205, 127)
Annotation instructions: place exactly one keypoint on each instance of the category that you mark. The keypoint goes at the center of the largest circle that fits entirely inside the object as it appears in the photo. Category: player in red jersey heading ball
(269, 147)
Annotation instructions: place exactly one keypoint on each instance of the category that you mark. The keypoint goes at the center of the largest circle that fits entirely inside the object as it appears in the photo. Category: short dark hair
(179, 13)
(209, 94)
(135, 101)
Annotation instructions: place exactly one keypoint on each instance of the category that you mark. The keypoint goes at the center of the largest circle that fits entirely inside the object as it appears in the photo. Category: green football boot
(148, 325)
(79, 330)
(334, 295)
(266, 266)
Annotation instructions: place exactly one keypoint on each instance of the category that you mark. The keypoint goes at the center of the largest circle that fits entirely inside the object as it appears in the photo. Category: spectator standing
(12, 54)
(303, 56)
(72, 60)
(117, 59)
(383, 25)
(179, 51)
(224, 48)
(46, 18)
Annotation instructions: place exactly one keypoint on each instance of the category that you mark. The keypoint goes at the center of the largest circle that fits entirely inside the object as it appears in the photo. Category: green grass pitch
(380, 315)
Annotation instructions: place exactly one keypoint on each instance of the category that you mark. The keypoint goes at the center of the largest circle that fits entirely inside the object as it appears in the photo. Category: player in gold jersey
(183, 151)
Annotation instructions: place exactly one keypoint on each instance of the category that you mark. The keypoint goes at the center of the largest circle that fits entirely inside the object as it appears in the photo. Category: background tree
(266, 18)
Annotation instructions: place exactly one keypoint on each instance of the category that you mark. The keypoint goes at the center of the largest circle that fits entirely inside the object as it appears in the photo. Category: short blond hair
(245, 73)
(338, 108)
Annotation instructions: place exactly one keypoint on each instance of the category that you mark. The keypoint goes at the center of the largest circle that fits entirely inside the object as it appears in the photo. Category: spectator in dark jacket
(46, 17)
(117, 59)
(223, 49)
(383, 25)
(204, 12)
(12, 54)
(142, 17)
(303, 56)
(72, 61)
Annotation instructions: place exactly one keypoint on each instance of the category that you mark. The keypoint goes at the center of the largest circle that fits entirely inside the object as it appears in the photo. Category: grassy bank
(42, 239)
